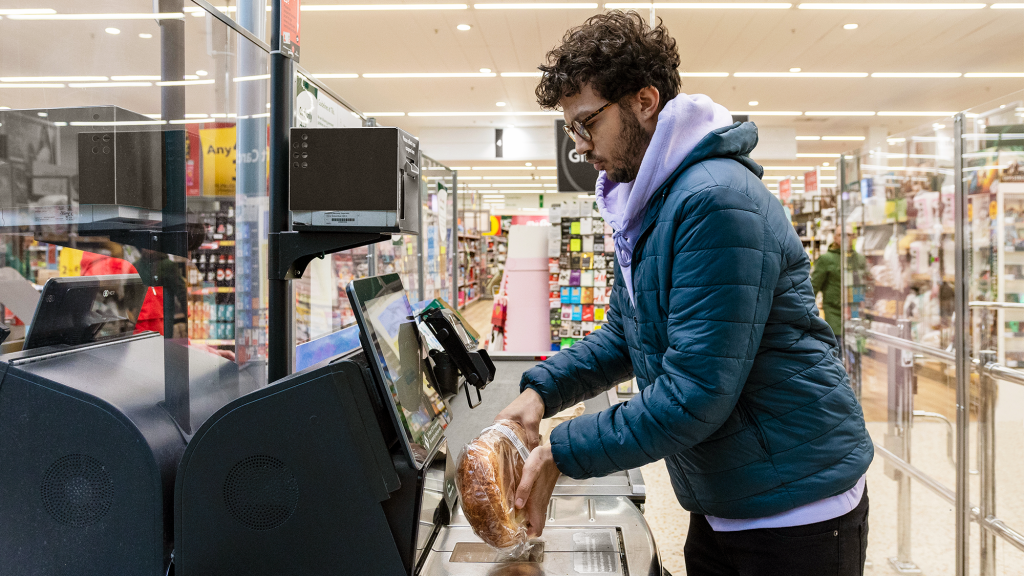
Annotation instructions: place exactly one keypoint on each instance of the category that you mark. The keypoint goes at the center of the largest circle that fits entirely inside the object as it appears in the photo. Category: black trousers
(834, 547)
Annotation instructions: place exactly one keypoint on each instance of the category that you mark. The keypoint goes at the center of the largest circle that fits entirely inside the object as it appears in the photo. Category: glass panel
(898, 273)
(435, 230)
(993, 151)
(145, 155)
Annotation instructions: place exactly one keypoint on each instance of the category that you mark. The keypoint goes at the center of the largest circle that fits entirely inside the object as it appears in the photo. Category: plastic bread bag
(488, 473)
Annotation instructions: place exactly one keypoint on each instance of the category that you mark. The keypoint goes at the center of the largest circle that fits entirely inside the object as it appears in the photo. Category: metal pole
(279, 326)
(963, 357)
(898, 440)
(987, 460)
(455, 239)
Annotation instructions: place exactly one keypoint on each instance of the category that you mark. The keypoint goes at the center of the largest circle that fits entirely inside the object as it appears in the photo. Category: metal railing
(897, 449)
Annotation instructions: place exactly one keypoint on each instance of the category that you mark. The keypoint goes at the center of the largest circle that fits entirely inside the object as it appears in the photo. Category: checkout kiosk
(348, 468)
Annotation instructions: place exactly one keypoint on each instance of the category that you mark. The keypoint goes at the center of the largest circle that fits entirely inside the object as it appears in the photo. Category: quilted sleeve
(725, 264)
(588, 367)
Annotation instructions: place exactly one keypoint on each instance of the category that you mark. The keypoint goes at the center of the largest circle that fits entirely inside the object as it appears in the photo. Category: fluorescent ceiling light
(135, 78)
(846, 113)
(377, 7)
(433, 75)
(14, 11)
(109, 84)
(54, 79)
(114, 31)
(336, 75)
(500, 104)
(145, 35)
(697, 74)
(753, 103)
(701, 5)
(537, 74)
(801, 74)
(122, 123)
(455, 114)
(510, 167)
(190, 77)
(185, 82)
(383, 114)
(796, 70)
(766, 112)
(904, 113)
(842, 138)
(32, 85)
(804, 168)
(808, 138)
(538, 6)
(817, 155)
(251, 78)
(507, 177)
(891, 6)
(997, 6)
(916, 75)
(202, 73)
(485, 70)
(994, 75)
(850, 27)
(142, 16)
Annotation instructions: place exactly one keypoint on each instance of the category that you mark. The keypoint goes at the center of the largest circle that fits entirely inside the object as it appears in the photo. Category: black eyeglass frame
(579, 127)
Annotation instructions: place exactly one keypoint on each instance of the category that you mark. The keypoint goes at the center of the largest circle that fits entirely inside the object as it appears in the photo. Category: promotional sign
(218, 161)
(575, 174)
(290, 28)
(785, 189)
(811, 182)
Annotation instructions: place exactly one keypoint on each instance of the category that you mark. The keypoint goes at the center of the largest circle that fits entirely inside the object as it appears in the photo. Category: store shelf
(214, 342)
(469, 236)
(211, 290)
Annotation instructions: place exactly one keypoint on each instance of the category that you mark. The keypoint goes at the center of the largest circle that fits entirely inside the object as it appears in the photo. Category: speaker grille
(261, 492)
(77, 490)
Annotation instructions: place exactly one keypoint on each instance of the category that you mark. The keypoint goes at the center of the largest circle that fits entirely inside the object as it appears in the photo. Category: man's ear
(650, 103)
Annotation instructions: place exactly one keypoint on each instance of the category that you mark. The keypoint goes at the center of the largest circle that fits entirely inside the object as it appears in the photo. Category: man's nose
(583, 146)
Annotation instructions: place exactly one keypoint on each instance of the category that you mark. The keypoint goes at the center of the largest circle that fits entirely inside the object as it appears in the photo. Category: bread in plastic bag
(488, 474)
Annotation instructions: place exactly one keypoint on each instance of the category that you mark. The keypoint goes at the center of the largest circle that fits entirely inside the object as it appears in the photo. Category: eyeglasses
(579, 127)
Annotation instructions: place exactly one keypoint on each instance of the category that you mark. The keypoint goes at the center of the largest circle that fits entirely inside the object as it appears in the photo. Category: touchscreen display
(386, 317)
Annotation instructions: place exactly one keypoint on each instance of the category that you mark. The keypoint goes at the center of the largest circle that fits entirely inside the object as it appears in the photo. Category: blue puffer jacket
(742, 389)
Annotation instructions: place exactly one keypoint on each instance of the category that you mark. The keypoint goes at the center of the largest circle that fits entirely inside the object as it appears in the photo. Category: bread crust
(488, 474)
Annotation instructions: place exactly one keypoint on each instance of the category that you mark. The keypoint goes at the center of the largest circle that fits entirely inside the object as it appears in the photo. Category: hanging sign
(811, 181)
(290, 28)
(785, 190)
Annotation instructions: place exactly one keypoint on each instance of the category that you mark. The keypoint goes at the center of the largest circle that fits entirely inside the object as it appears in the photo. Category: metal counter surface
(467, 423)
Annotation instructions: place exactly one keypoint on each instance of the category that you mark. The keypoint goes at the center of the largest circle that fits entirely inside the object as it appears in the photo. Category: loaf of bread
(489, 470)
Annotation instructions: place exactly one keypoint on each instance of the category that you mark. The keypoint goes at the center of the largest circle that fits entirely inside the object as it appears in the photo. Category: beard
(633, 143)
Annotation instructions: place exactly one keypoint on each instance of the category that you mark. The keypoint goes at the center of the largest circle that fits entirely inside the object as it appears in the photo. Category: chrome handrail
(991, 523)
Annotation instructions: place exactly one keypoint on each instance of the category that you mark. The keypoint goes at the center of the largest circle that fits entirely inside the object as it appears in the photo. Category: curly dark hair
(617, 53)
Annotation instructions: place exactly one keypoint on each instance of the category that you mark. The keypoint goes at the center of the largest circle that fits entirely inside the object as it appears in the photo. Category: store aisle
(478, 314)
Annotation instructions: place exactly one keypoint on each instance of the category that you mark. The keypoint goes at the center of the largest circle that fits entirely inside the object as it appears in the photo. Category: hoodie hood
(682, 125)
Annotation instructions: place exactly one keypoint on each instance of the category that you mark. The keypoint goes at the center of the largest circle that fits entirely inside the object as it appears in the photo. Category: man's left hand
(539, 477)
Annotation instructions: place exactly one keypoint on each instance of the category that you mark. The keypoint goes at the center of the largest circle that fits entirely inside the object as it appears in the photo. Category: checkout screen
(387, 319)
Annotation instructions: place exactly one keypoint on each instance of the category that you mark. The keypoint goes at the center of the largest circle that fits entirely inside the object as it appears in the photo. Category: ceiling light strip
(994, 75)
(455, 114)
(31, 85)
(54, 79)
(336, 75)
(701, 74)
(700, 5)
(136, 78)
(916, 75)
(251, 78)
(15, 11)
(800, 74)
(434, 75)
(378, 7)
(537, 74)
(890, 6)
(840, 113)
(139, 16)
(538, 6)
(767, 112)
(109, 84)
(916, 113)
(184, 82)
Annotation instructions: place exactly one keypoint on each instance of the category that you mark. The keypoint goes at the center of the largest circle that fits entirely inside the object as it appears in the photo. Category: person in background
(827, 279)
(743, 393)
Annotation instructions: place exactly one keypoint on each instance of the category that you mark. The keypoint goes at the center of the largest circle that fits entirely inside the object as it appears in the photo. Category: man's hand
(527, 409)
(539, 477)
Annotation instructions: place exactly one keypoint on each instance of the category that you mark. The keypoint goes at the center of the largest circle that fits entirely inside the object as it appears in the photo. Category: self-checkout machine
(93, 416)
(343, 468)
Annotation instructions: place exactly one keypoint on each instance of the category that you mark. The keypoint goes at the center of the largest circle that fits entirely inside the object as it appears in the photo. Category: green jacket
(827, 278)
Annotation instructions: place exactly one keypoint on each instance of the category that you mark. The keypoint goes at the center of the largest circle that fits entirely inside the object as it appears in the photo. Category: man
(827, 279)
(742, 390)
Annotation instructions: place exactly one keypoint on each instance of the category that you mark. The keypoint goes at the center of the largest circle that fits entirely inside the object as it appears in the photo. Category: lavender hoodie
(682, 124)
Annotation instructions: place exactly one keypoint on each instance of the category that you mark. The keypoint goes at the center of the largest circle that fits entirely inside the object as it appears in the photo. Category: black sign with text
(575, 174)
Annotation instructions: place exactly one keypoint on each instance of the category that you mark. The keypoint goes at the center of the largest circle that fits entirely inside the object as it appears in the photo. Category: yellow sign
(70, 262)
(218, 161)
(495, 227)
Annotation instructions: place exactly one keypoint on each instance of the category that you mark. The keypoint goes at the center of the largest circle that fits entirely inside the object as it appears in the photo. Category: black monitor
(399, 364)
(84, 309)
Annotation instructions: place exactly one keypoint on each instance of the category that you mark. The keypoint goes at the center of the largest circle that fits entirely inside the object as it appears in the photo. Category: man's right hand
(528, 410)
